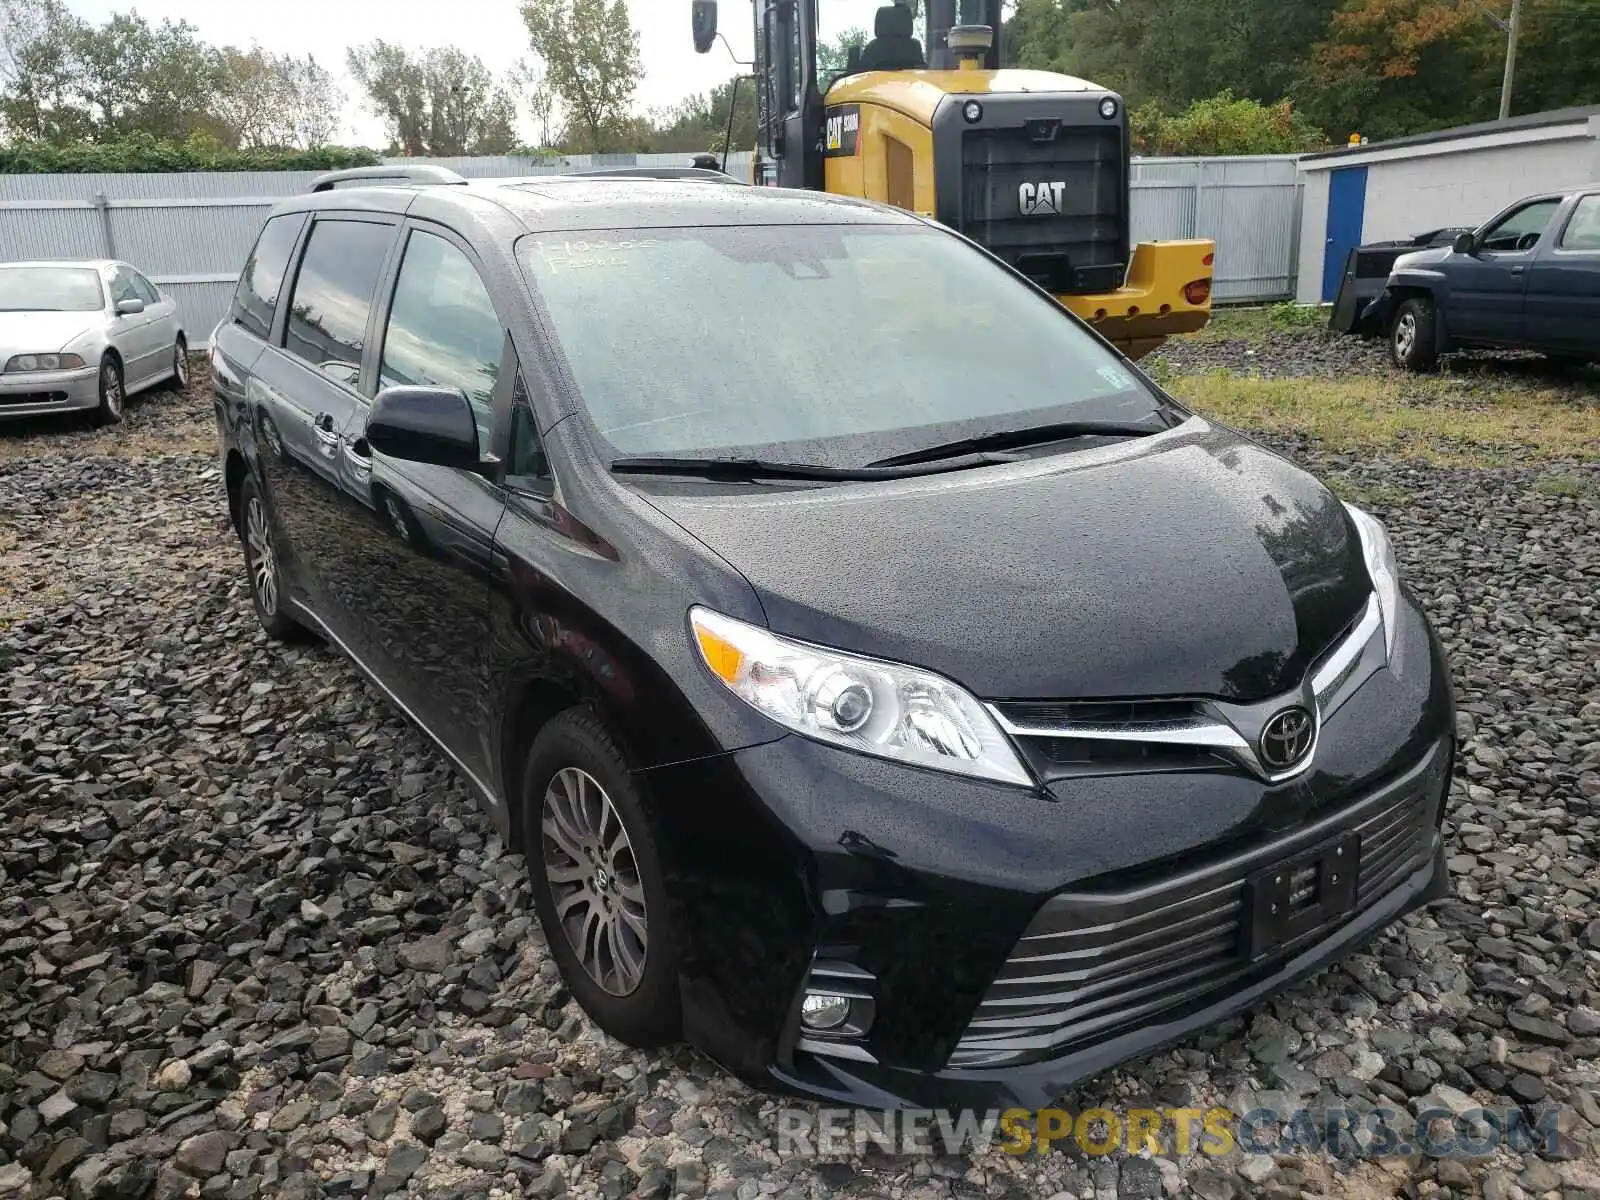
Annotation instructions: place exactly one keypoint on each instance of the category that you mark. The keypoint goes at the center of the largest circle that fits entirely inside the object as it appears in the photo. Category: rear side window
(333, 295)
(1583, 231)
(256, 300)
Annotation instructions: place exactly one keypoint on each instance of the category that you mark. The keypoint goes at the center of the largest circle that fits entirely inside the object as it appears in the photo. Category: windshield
(49, 289)
(845, 23)
(827, 344)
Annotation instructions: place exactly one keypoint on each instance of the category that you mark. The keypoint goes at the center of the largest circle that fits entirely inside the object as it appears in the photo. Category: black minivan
(893, 691)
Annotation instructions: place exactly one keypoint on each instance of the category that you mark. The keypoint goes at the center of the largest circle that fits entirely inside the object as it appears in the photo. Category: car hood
(1193, 563)
(42, 332)
(1422, 258)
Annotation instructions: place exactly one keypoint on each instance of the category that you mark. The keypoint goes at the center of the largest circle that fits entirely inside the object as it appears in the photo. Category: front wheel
(113, 394)
(262, 565)
(597, 881)
(1412, 343)
(180, 364)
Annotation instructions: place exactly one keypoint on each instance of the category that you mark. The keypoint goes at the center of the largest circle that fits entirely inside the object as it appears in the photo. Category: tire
(180, 364)
(263, 570)
(1412, 344)
(625, 982)
(113, 391)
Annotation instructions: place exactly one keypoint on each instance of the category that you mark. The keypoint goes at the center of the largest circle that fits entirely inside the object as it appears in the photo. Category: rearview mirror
(705, 25)
(425, 425)
(128, 308)
(1465, 243)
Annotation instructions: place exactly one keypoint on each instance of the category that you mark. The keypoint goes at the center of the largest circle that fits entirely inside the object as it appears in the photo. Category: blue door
(1347, 212)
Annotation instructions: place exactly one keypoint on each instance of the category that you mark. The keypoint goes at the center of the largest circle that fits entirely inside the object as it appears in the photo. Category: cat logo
(1042, 199)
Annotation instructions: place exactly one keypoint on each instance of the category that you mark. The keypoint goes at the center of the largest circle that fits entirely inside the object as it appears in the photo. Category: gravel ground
(255, 941)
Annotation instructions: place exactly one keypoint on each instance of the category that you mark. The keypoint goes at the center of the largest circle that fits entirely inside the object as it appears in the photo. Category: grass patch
(1371, 413)
(1256, 324)
(1559, 483)
(1377, 496)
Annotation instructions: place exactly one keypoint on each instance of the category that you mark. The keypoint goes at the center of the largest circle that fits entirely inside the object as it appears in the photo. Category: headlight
(1375, 548)
(873, 707)
(44, 362)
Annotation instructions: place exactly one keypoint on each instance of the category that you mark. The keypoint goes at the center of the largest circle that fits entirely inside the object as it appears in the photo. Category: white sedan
(84, 335)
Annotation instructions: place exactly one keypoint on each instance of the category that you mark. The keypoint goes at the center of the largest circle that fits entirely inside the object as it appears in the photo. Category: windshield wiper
(757, 468)
(1009, 439)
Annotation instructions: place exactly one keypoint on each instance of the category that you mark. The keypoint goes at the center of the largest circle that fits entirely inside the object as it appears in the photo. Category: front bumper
(36, 393)
(793, 862)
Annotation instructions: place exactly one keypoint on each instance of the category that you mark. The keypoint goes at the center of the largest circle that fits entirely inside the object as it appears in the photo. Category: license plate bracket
(1291, 898)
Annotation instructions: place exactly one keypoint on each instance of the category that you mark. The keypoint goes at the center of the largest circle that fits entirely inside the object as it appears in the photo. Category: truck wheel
(1411, 337)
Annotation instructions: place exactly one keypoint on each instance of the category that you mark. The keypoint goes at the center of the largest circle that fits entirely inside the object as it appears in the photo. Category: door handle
(324, 430)
(1518, 270)
(359, 456)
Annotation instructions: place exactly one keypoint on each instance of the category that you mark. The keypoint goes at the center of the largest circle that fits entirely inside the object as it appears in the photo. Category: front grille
(1077, 241)
(1098, 737)
(1095, 963)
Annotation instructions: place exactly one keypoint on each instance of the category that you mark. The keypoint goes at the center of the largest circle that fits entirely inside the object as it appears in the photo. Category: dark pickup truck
(1529, 279)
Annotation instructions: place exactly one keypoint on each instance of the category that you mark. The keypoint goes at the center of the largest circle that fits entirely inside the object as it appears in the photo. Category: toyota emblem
(1287, 738)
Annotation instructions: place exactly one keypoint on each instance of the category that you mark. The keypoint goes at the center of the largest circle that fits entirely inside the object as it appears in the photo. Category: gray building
(1455, 177)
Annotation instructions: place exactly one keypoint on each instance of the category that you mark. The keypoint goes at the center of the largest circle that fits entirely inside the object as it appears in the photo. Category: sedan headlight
(862, 704)
(44, 362)
(1379, 554)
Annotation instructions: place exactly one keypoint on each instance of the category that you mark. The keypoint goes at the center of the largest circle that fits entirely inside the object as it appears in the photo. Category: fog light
(820, 1010)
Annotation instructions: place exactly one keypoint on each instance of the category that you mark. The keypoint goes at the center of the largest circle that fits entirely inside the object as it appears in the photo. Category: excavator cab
(1032, 165)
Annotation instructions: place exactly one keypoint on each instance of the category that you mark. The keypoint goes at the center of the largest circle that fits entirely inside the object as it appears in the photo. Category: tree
(591, 56)
(39, 72)
(534, 83)
(435, 102)
(833, 56)
(275, 100)
(1225, 124)
(700, 123)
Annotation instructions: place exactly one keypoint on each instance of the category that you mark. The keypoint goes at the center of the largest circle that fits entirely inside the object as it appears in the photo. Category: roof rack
(422, 174)
(699, 173)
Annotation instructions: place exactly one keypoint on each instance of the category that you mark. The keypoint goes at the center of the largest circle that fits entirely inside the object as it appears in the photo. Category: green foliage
(591, 54)
(142, 153)
(435, 102)
(1289, 315)
(1224, 124)
(1382, 68)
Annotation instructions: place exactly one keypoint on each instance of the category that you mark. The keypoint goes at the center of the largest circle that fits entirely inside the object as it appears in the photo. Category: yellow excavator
(1032, 165)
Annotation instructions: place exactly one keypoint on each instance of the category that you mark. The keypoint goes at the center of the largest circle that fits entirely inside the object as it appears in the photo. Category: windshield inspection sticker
(841, 131)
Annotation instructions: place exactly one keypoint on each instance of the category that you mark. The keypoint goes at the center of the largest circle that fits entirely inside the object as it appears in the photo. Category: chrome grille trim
(1206, 727)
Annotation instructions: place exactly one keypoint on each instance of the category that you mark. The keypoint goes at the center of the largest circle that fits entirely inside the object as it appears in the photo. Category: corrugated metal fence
(191, 232)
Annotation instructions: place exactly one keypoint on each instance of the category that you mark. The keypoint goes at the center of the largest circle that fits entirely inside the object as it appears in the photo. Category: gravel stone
(255, 940)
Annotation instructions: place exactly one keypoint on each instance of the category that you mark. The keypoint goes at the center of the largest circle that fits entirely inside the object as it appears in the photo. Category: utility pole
(1511, 58)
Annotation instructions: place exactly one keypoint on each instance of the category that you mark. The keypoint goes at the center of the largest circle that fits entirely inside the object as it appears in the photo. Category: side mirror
(1465, 243)
(705, 25)
(425, 425)
(128, 308)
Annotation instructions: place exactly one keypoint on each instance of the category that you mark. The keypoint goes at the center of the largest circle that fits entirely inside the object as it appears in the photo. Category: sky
(491, 29)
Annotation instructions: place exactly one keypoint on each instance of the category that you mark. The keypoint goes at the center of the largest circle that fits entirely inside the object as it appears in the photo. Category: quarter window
(333, 295)
(527, 460)
(443, 330)
(256, 300)
(1523, 228)
(1583, 231)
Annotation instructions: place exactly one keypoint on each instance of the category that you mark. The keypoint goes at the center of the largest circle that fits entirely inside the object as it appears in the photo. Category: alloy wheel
(112, 386)
(263, 562)
(1405, 335)
(594, 880)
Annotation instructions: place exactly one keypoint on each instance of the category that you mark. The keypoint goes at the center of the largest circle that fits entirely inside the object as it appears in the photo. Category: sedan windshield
(828, 344)
(49, 289)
